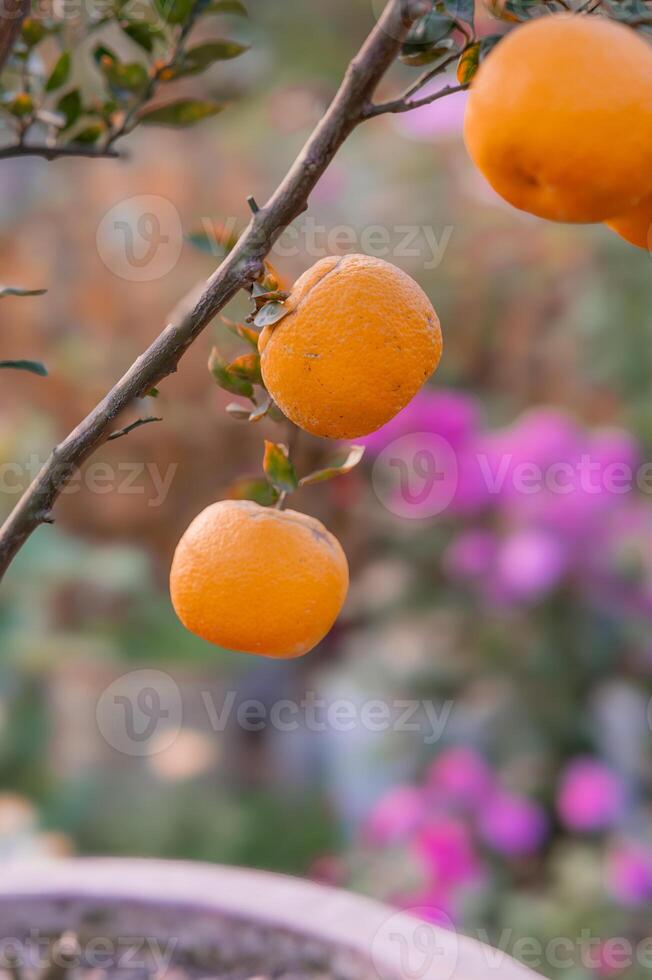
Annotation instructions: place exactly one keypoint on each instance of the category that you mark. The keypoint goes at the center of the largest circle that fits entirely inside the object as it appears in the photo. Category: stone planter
(136, 918)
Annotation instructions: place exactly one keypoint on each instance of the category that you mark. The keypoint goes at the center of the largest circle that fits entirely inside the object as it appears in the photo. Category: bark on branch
(241, 267)
(12, 15)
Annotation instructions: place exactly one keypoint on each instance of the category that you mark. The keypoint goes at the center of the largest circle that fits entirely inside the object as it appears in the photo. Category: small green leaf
(468, 63)
(225, 379)
(245, 333)
(428, 56)
(102, 52)
(342, 463)
(278, 469)
(271, 313)
(60, 73)
(201, 57)
(70, 106)
(34, 367)
(247, 366)
(460, 10)
(175, 11)
(185, 112)
(18, 291)
(152, 393)
(131, 78)
(426, 33)
(253, 488)
(88, 136)
(33, 31)
(227, 7)
(140, 33)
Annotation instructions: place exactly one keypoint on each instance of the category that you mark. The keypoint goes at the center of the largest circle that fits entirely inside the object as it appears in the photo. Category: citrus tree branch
(243, 265)
(55, 152)
(12, 15)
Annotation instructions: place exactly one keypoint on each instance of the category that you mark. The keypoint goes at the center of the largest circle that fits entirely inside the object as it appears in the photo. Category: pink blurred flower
(396, 815)
(446, 849)
(629, 873)
(529, 565)
(471, 554)
(437, 120)
(450, 414)
(513, 825)
(461, 776)
(591, 795)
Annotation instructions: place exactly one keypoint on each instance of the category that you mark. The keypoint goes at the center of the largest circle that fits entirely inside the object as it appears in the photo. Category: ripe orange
(258, 580)
(360, 340)
(559, 118)
(636, 225)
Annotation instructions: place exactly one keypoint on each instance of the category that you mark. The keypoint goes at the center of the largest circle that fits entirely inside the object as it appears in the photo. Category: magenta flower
(471, 555)
(591, 796)
(629, 873)
(461, 776)
(446, 850)
(451, 415)
(529, 565)
(396, 815)
(512, 825)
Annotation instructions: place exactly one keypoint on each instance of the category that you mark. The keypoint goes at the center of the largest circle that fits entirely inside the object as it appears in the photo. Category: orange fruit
(559, 118)
(359, 341)
(635, 226)
(258, 580)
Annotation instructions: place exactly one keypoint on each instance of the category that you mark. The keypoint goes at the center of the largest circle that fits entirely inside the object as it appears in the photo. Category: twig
(12, 15)
(243, 265)
(401, 105)
(54, 152)
(134, 425)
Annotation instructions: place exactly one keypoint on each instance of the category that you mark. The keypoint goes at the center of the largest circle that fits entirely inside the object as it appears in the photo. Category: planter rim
(392, 941)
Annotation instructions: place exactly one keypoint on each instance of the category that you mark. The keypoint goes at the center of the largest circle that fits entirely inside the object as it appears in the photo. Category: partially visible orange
(636, 225)
(559, 118)
(359, 341)
(258, 580)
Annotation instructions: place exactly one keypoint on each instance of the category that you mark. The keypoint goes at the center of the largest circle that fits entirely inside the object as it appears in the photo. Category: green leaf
(271, 313)
(34, 367)
(140, 33)
(247, 366)
(253, 488)
(245, 333)
(344, 462)
(226, 379)
(201, 57)
(102, 52)
(427, 33)
(428, 56)
(60, 73)
(460, 10)
(88, 136)
(278, 469)
(124, 77)
(185, 112)
(17, 291)
(33, 31)
(70, 106)
(468, 63)
(175, 11)
(227, 7)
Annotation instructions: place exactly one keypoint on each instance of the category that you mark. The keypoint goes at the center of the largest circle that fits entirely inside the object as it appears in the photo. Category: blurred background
(505, 627)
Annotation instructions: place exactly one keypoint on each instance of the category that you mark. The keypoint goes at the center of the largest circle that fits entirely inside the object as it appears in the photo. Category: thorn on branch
(251, 201)
(134, 425)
